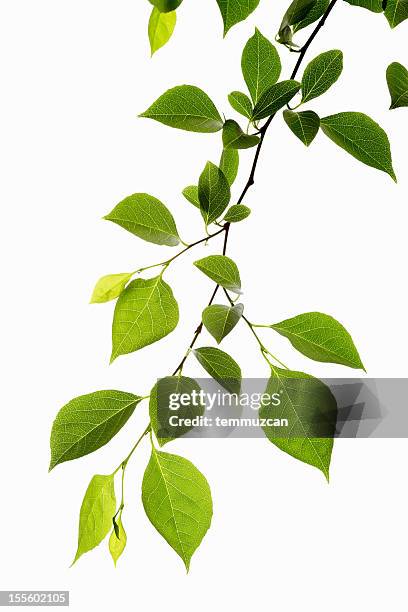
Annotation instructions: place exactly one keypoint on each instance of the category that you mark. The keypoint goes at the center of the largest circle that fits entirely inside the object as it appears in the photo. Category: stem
(124, 463)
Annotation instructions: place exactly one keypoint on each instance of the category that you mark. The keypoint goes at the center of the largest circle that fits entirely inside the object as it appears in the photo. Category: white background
(326, 233)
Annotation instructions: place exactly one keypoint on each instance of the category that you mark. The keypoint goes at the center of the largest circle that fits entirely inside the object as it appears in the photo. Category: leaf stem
(124, 463)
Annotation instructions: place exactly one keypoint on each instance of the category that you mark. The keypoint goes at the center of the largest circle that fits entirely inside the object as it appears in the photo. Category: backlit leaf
(213, 193)
(166, 6)
(372, 5)
(191, 194)
(110, 287)
(222, 270)
(161, 27)
(221, 366)
(234, 138)
(321, 73)
(261, 65)
(220, 320)
(229, 164)
(241, 103)
(304, 125)
(396, 11)
(234, 11)
(237, 213)
(117, 541)
(397, 80)
(275, 98)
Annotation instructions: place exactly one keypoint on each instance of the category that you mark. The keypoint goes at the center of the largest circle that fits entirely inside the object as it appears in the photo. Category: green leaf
(321, 73)
(117, 541)
(313, 15)
(97, 510)
(396, 12)
(360, 136)
(146, 217)
(88, 422)
(372, 5)
(311, 412)
(320, 337)
(185, 107)
(304, 125)
(165, 6)
(234, 138)
(177, 500)
(241, 103)
(261, 65)
(237, 213)
(275, 98)
(191, 194)
(220, 320)
(160, 407)
(297, 12)
(229, 164)
(161, 27)
(234, 11)
(145, 312)
(110, 287)
(397, 80)
(213, 193)
(221, 366)
(222, 270)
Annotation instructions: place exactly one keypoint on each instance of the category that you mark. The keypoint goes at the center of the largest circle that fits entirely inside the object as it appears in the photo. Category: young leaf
(221, 366)
(220, 320)
(241, 103)
(261, 65)
(237, 213)
(110, 287)
(177, 500)
(161, 27)
(376, 6)
(185, 107)
(145, 312)
(275, 98)
(234, 138)
(321, 73)
(311, 411)
(222, 270)
(234, 11)
(191, 194)
(95, 519)
(165, 6)
(88, 422)
(320, 337)
(396, 11)
(229, 164)
(313, 15)
(397, 80)
(117, 541)
(360, 136)
(297, 12)
(304, 125)
(213, 193)
(160, 407)
(146, 217)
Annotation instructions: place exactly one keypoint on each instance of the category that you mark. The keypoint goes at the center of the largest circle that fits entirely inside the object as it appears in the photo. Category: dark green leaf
(234, 11)
(221, 366)
(213, 193)
(222, 270)
(229, 164)
(275, 98)
(161, 27)
(234, 138)
(397, 80)
(191, 194)
(396, 12)
(372, 5)
(304, 125)
(241, 103)
(321, 73)
(220, 320)
(313, 15)
(261, 65)
(297, 12)
(164, 6)
(237, 213)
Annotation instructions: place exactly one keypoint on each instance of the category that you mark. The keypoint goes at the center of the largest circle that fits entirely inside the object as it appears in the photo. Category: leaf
(222, 270)
(237, 213)
(372, 5)
(234, 11)
(321, 73)
(110, 287)
(161, 411)
(220, 320)
(313, 15)
(360, 136)
(177, 500)
(275, 98)
(117, 541)
(311, 411)
(234, 138)
(261, 65)
(185, 107)
(241, 103)
(320, 337)
(191, 194)
(396, 11)
(145, 312)
(213, 193)
(146, 217)
(161, 27)
(397, 80)
(229, 164)
(88, 422)
(165, 6)
(297, 12)
(221, 366)
(97, 510)
(304, 125)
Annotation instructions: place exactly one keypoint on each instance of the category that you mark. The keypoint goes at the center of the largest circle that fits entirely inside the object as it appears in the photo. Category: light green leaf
(237, 213)
(88, 422)
(241, 103)
(234, 11)
(261, 65)
(98, 508)
(320, 337)
(117, 541)
(222, 270)
(321, 73)
(396, 12)
(275, 98)
(145, 312)
(221, 366)
(185, 107)
(110, 287)
(360, 136)
(160, 407)
(304, 125)
(372, 5)
(397, 80)
(311, 412)
(220, 320)
(161, 27)
(146, 217)
(313, 15)
(229, 164)
(234, 138)
(213, 193)
(165, 6)
(177, 500)
(191, 194)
